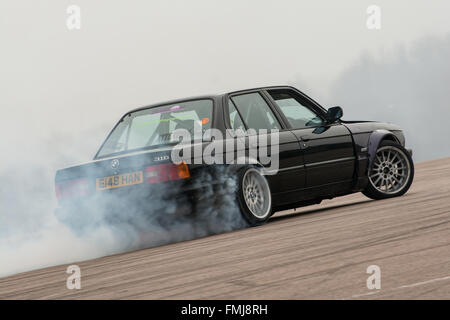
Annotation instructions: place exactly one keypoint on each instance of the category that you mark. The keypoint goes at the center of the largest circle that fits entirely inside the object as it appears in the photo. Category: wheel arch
(375, 139)
(246, 161)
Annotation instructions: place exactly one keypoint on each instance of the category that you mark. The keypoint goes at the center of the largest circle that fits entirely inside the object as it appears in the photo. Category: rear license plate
(120, 180)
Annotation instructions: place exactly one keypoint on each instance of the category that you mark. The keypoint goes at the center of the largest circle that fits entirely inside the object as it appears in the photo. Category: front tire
(254, 196)
(392, 172)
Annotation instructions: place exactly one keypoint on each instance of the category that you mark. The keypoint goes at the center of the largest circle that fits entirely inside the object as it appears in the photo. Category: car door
(327, 148)
(252, 110)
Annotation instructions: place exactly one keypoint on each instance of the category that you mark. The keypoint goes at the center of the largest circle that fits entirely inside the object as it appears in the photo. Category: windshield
(154, 126)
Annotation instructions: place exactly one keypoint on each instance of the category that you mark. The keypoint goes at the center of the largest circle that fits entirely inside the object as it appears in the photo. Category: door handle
(305, 138)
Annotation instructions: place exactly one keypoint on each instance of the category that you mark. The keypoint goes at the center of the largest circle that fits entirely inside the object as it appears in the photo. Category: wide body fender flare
(375, 139)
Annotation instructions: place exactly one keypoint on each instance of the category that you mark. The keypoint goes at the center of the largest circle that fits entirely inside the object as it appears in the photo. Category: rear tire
(392, 172)
(254, 196)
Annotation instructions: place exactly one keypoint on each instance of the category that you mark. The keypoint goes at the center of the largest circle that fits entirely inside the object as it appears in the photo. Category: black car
(319, 156)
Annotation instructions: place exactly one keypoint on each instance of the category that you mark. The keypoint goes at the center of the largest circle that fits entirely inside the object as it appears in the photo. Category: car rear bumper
(134, 205)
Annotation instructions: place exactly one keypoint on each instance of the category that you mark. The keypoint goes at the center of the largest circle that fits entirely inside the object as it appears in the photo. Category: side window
(255, 111)
(296, 112)
(235, 119)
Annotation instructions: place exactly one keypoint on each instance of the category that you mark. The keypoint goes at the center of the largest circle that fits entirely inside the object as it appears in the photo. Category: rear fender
(243, 162)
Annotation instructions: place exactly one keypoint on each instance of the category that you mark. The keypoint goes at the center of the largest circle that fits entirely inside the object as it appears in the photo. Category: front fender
(374, 141)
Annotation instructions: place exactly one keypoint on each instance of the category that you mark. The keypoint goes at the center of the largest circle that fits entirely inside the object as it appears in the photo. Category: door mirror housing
(334, 114)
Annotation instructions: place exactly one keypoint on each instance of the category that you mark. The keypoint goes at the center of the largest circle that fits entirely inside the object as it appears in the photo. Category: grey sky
(68, 84)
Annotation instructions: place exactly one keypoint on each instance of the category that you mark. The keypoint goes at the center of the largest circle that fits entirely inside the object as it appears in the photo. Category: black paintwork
(315, 163)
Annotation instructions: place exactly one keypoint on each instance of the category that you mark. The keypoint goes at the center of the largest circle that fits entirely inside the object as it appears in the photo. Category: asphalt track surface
(318, 252)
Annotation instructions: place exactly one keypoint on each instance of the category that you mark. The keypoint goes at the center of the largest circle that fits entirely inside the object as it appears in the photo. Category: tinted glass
(235, 119)
(255, 111)
(296, 112)
(154, 126)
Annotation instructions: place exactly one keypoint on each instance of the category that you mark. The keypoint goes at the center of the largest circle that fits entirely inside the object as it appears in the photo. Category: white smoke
(32, 237)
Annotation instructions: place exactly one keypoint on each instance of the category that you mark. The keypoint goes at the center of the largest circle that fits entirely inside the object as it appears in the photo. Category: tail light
(71, 188)
(166, 172)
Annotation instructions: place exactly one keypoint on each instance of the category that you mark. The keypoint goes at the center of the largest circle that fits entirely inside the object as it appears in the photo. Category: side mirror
(334, 114)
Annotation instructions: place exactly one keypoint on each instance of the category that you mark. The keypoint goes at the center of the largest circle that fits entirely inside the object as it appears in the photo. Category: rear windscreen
(155, 126)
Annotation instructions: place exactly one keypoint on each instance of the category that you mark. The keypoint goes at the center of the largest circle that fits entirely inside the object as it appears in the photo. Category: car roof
(210, 96)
